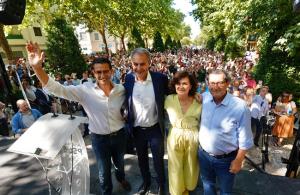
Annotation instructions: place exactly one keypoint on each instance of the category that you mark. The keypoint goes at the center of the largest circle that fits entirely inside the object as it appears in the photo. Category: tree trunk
(4, 44)
(146, 42)
(123, 43)
(102, 32)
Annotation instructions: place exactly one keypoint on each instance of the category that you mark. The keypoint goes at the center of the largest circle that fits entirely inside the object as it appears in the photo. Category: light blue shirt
(225, 127)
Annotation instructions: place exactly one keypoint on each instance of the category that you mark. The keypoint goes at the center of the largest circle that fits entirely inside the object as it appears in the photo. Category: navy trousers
(145, 137)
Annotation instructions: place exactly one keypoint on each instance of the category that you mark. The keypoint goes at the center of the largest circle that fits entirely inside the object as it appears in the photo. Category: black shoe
(144, 188)
(126, 185)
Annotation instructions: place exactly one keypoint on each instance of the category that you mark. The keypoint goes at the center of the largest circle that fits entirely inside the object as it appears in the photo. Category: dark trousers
(213, 170)
(152, 137)
(4, 127)
(108, 148)
(257, 128)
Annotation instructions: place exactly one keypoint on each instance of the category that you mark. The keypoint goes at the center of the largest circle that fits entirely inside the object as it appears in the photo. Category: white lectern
(58, 145)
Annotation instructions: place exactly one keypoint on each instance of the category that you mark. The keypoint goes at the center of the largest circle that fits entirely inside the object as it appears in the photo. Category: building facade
(17, 40)
(92, 42)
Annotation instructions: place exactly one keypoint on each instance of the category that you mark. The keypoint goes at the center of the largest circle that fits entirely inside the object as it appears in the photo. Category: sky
(186, 7)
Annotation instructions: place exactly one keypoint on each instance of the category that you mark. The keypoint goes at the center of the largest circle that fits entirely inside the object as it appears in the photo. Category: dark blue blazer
(160, 85)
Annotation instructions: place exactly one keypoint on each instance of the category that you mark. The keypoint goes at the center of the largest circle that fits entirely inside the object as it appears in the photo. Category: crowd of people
(133, 96)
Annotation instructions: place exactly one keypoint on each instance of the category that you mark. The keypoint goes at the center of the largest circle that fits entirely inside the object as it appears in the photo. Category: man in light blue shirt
(225, 135)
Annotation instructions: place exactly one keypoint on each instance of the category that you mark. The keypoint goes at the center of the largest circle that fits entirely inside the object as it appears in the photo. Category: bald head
(22, 105)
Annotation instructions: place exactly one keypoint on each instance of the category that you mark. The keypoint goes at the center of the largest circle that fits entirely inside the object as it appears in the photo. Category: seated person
(24, 118)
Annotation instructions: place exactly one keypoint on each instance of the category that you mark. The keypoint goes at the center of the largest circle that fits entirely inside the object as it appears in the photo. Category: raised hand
(35, 56)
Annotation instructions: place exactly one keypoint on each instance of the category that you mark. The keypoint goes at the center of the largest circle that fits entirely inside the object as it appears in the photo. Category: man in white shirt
(102, 102)
(259, 109)
(145, 94)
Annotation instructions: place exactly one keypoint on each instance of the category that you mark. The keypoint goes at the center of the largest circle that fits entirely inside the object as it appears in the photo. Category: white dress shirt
(259, 107)
(144, 105)
(103, 112)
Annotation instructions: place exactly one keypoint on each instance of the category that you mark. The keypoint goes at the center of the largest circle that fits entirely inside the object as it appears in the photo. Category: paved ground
(23, 175)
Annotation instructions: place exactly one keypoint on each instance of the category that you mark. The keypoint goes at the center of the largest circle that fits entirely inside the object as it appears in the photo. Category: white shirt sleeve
(73, 93)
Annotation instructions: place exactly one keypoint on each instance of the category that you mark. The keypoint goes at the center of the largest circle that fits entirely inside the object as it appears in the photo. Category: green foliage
(136, 39)
(169, 42)
(279, 63)
(12, 36)
(179, 46)
(63, 50)
(233, 48)
(186, 41)
(174, 44)
(226, 24)
(211, 43)
(158, 44)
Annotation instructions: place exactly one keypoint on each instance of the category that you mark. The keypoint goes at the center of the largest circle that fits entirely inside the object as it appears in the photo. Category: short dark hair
(220, 71)
(180, 75)
(100, 60)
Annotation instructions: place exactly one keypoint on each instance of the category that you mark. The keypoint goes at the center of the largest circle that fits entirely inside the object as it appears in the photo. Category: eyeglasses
(101, 72)
(217, 83)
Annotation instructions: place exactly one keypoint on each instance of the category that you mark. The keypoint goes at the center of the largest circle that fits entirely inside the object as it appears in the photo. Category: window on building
(82, 36)
(37, 31)
(96, 36)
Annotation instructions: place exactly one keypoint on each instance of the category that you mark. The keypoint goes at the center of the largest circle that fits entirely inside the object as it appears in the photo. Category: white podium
(58, 145)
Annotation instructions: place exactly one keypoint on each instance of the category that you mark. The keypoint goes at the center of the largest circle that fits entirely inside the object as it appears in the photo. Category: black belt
(147, 128)
(230, 154)
(109, 135)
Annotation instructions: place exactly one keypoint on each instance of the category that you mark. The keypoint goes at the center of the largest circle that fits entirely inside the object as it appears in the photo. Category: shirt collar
(97, 87)
(148, 79)
(224, 102)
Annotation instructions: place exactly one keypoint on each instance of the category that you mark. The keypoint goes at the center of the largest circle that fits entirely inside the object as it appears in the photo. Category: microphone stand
(70, 111)
(54, 115)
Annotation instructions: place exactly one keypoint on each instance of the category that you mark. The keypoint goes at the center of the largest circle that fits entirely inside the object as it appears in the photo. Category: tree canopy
(227, 24)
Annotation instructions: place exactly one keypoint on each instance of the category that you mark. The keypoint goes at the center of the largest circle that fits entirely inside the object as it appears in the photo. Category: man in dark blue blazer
(145, 95)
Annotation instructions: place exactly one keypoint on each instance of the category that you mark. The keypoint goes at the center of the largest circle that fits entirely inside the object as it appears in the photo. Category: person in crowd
(285, 109)
(43, 99)
(75, 80)
(59, 79)
(4, 130)
(68, 80)
(259, 109)
(248, 96)
(224, 135)
(29, 91)
(102, 102)
(145, 95)
(182, 143)
(85, 78)
(116, 75)
(251, 83)
(24, 118)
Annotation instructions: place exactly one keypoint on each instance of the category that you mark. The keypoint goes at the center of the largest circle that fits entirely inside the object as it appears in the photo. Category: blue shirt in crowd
(225, 127)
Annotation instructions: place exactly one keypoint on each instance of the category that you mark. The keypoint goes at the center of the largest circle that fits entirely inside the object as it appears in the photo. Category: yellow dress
(182, 145)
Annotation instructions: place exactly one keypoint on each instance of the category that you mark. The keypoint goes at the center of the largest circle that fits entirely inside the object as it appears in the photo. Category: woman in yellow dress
(182, 142)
